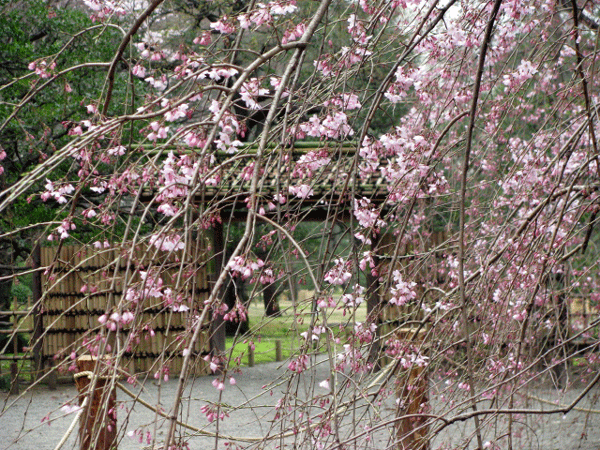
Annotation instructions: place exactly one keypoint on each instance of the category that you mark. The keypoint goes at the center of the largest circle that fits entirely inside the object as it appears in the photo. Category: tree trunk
(270, 300)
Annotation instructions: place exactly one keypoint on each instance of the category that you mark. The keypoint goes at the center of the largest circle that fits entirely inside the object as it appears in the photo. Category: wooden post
(14, 378)
(217, 324)
(52, 376)
(413, 383)
(278, 355)
(14, 367)
(38, 325)
(250, 356)
(374, 304)
(98, 424)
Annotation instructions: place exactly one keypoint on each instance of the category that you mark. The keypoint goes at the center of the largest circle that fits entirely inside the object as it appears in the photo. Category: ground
(24, 427)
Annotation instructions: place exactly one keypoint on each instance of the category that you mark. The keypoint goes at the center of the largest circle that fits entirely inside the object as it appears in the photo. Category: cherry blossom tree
(454, 142)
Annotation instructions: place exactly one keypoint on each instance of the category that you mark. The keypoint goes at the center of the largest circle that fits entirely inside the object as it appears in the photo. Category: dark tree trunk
(5, 289)
(38, 326)
(234, 293)
(271, 301)
(560, 331)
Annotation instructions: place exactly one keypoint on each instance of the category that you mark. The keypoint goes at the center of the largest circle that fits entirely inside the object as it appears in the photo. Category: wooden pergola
(333, 191)
(334, 187)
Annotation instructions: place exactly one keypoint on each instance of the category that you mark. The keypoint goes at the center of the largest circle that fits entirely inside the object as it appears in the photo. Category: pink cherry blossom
(301, 191)
(340, 273)
(223, 26)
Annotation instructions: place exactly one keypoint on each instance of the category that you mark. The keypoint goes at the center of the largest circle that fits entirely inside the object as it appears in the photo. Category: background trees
(474, 121)
(39, 112)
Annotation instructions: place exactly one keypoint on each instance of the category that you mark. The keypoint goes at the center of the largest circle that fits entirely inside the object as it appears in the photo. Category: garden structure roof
(332, 185)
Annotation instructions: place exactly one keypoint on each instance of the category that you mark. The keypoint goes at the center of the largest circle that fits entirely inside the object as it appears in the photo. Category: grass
(264, 331)
(264, 350)
(24, 369)
(263, 334)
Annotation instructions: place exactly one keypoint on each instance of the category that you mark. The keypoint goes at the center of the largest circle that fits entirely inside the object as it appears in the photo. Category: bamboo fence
(82, 283)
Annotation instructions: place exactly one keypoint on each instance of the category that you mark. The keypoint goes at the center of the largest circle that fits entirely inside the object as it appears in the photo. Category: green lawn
(264, 331)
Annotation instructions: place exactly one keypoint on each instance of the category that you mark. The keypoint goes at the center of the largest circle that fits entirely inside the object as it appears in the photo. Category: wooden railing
(13, 352)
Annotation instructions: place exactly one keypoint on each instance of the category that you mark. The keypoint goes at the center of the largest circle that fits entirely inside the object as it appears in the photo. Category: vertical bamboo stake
(98, 426)
(278, 355)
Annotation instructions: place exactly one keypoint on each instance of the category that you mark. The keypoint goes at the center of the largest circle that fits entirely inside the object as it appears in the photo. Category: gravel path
(23, 425)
